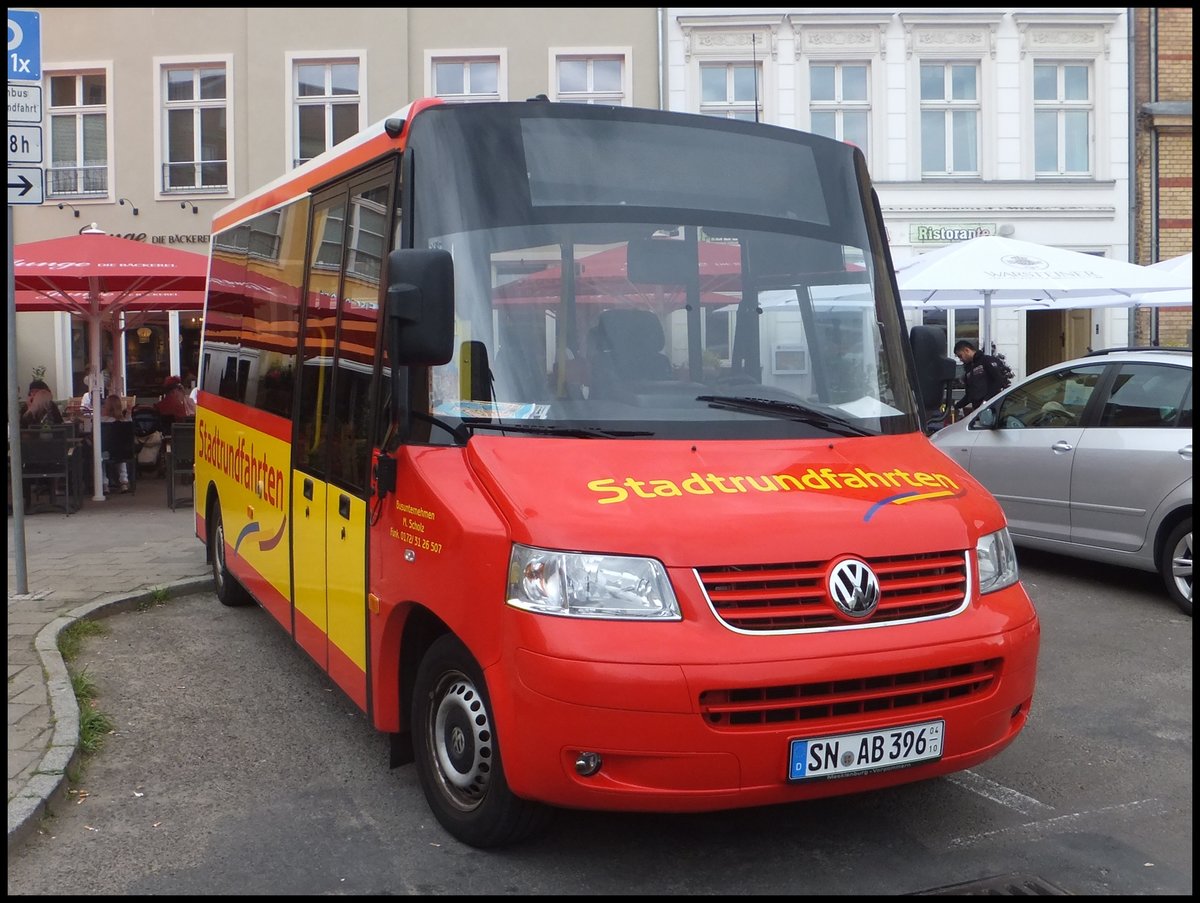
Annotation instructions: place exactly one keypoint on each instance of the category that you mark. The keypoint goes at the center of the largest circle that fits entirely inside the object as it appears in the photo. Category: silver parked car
(1093, 458)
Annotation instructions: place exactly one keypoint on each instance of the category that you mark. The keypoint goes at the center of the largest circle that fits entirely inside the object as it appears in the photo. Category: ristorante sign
(942, 233)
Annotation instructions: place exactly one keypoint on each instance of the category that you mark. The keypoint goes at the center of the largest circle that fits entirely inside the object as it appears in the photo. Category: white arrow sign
(25, 185)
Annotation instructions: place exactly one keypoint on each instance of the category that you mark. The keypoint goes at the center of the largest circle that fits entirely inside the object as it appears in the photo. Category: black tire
(1175, 565)
(457, 753)
(229, 591)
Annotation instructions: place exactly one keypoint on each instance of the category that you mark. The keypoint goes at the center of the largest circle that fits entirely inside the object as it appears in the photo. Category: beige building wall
(257, 46)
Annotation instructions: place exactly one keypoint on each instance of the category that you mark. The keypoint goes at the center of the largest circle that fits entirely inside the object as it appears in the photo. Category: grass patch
(94, 725)
(70, 639)
(157, 596)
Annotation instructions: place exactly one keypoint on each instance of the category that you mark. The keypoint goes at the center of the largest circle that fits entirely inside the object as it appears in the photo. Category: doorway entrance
(1054, 336)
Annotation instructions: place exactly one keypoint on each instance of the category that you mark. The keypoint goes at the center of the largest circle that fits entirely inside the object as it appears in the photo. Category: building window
(1062, 119)
(326, 102)
(466, 79)
(949, 119)
(730, 90)
(78, 113)
(196, 151)
(590, 79)
(839, 104)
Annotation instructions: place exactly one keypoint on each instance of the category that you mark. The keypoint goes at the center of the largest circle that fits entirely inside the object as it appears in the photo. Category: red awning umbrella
(603, 277)
(96, 277)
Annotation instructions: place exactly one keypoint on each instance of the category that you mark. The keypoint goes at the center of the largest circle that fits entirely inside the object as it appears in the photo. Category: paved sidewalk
(106, 557)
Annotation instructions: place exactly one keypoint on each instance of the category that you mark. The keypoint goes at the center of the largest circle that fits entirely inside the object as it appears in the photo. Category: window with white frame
(1062, 119)
(839, 101)
(195, 125)
(466, 79)
(590, 79)
(326, 102)
(730, 90)
(950, 111)
(78, 133)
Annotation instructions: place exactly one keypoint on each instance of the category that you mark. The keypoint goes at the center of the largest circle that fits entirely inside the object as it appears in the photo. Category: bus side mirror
(420, 307)
(935, 371)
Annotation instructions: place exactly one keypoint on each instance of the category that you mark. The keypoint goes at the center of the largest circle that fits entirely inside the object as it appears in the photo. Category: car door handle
(1186, 453)
(1061, 446)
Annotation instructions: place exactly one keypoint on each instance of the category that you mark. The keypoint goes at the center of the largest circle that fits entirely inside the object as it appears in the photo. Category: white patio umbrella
(1179, 267)
(991, 271)
(1176, 266)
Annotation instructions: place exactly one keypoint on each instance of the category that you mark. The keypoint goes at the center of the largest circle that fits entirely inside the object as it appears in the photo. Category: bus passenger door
(351, 424)
(308, 563)
(310, 476)
(342, 327)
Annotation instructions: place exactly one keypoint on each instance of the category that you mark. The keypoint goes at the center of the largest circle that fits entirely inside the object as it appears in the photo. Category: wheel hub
(462, 742)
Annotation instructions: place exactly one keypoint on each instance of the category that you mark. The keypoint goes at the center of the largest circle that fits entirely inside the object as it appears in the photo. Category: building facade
(1163, 97)
(973, 122)
(156, 118)
(1062, 127)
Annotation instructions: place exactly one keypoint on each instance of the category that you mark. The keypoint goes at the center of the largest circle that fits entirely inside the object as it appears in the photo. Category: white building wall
(1090, 215)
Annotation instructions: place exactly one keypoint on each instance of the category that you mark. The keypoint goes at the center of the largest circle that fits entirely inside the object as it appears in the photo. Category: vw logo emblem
(458, 741)
(854, 589)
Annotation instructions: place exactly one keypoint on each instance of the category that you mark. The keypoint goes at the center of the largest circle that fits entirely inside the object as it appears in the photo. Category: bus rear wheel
(229, 591)
(458, 754)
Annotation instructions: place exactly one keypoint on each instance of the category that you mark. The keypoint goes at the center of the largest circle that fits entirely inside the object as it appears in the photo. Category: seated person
(174, 404)
(40, 409)
(112, 411)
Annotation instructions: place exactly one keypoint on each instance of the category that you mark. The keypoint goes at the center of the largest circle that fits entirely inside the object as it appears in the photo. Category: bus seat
(633, 341)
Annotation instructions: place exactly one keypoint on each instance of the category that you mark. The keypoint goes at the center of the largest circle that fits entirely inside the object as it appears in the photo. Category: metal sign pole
(16, 470)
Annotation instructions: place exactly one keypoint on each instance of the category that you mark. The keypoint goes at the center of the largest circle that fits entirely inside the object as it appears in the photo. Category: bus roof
(360, 148)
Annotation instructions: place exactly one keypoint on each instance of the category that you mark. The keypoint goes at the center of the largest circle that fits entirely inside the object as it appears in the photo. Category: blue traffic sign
(24, 45)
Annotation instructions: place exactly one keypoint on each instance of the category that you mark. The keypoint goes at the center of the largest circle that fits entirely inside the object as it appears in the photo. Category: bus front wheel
(229, 591)
(458, 754)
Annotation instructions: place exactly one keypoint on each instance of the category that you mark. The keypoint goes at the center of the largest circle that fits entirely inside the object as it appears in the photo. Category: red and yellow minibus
(582, 447)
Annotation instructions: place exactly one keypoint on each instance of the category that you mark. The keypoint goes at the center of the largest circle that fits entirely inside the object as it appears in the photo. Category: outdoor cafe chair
(181, 461)
(48, 460)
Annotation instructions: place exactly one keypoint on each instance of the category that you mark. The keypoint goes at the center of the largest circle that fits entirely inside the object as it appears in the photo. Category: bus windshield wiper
(575, 432)
(789, 409)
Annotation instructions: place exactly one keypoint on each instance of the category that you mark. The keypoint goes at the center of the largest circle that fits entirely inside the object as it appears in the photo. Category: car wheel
(1176, 565)
(229, 591)
(457, 753)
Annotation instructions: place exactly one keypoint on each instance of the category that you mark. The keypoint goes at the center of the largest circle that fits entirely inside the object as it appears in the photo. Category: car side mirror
(987, 419)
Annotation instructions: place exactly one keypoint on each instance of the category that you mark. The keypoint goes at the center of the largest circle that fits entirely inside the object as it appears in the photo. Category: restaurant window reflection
(189, 347)
(147, 357)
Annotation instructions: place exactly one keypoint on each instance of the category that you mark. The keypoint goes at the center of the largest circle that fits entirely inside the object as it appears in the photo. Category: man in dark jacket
(983, 376)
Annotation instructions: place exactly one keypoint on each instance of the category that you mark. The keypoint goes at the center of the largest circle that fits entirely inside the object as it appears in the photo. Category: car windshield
(662, 288)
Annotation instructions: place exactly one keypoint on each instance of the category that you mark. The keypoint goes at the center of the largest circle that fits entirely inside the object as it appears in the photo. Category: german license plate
(840, 755)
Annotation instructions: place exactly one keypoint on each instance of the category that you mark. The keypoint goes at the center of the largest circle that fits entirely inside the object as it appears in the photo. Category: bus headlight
(589, 586)
(997, 561)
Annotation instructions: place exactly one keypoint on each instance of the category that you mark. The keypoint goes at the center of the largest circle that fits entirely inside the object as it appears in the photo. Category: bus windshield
(629, 272)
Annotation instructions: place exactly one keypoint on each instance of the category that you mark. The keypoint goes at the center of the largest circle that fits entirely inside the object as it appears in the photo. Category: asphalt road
(236, 768)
